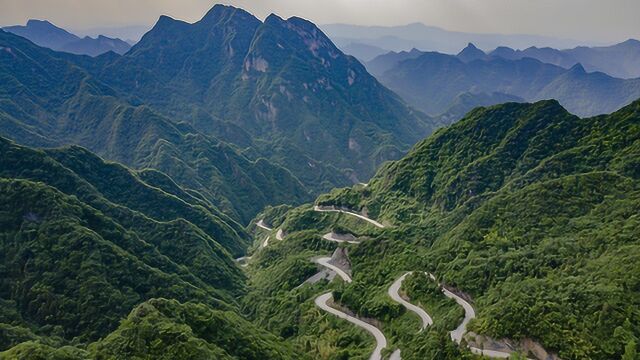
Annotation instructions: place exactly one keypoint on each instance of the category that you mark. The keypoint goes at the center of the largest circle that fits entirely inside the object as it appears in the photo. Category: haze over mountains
(361, 41)
(46, 34)
(433, 82)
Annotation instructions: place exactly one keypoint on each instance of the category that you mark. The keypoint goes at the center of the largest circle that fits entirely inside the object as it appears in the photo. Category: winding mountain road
(340, 238)
(394, 293)
(244, 261)
(263, 225)
(381, 340)
(333, 209)
(324, 261)
(469, 313)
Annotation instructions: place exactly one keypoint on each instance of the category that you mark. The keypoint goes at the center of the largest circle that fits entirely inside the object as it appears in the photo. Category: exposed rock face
(340, 259)
(527, 346)
(532, 347)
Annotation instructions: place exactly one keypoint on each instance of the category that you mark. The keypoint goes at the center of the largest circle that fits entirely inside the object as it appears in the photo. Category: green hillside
(85, 242)
(531, 211)
(45, 100)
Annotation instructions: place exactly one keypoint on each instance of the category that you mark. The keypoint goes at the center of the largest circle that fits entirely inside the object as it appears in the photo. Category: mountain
(86, 242)
(46, 34)
(471, 53)
(380, 64)
(279, 88)
(363, 52)
(92, 222)
(525, 210)
(432, 81)
(43, 33)
(48, 101)
(421, 36)
(467, 101)
(620, 60)
(94, 47)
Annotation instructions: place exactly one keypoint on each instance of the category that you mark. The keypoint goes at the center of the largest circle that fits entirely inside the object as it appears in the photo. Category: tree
(630, 352)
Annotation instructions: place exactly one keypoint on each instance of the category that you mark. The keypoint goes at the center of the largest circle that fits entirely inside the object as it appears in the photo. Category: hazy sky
(595, 20)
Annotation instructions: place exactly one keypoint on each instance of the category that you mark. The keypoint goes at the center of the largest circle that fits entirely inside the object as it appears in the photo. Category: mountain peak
(577, 69)
(470, 53)
(273, 19)
(471, 46)
(43, 23)
(219, 12)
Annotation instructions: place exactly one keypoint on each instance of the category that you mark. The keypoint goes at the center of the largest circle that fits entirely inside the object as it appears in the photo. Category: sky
(590, 20)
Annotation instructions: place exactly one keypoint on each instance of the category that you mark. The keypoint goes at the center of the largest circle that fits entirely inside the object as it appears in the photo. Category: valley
(238, 186)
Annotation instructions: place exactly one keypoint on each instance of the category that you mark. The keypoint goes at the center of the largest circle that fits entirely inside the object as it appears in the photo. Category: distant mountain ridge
(46, 34)
(432, 81)
(620, 60)
(431, 38)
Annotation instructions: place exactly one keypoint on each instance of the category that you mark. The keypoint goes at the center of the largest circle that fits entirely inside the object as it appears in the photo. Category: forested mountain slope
(85, 242)
(45, 100)
(279, 88)
(529, 211)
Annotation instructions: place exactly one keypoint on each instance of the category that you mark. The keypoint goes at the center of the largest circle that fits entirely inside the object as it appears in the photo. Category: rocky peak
(471, 53)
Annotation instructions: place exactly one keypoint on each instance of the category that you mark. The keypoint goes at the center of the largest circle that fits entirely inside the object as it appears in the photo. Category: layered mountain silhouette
(46, 34)
(433, 81)
(621, 60)
(421, 36)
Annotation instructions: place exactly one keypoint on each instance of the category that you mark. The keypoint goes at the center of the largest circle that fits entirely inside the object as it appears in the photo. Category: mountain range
(47, 101)
(359, 41)
(92, 250)
(620, 60)
(46, 34)
(433, 82)
(278, 88)
(248, 113)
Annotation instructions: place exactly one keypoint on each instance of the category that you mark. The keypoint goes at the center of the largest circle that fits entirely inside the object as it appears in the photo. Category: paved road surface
(328, 209)
(458, 333)
(263, 225)
(395, 355)
(244, 261)
(335, 237)
(394, 293)
(324, 261)
(381, 341)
